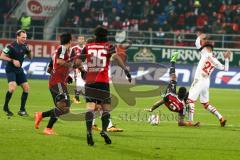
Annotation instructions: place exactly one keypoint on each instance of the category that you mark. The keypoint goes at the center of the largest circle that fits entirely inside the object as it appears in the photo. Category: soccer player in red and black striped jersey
(97, 92)
(175, 102)
(62, 65)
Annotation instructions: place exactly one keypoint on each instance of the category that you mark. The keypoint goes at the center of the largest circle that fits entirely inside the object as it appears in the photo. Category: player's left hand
(127, 73)
(69, 80)
(227, 54)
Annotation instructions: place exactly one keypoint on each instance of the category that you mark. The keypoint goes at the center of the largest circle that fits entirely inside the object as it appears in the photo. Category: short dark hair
(18, 33)
(100, 32)
(182, 93)
(65, 38)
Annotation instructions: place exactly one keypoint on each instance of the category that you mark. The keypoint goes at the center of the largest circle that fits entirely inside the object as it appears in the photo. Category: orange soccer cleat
(96, 128)
(49, 131)
(76, 101)
(38, 119)
(222, 122)
(114, 129)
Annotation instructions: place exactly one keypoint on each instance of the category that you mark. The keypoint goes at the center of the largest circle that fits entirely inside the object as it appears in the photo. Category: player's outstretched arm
(154, 106)
(120, 63)
(218, 64)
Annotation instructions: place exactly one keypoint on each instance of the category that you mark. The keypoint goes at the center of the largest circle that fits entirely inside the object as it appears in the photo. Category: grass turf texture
(140, 140)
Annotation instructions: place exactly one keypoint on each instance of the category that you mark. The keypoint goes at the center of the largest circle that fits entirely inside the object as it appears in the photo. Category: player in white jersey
(201, 82)
(76, 75)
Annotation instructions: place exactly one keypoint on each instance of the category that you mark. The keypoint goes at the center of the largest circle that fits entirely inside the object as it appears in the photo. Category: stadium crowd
(217, 16)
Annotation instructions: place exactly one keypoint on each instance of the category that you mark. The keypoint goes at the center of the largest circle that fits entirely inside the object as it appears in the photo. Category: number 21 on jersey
(97, 58)
(208, 67)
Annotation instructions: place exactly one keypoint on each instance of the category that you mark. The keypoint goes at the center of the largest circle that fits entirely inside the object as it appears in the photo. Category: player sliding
(175, 102)
(201, 82)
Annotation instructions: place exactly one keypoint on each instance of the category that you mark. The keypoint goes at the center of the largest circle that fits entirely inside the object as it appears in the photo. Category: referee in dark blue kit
(14, 54)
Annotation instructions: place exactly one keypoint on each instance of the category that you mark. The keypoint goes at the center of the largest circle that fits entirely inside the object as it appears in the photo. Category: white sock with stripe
(214, 111)
(191, 112)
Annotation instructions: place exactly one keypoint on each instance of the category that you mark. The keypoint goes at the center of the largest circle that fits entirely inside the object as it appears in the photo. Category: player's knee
(205, 105)
(26, 88)
(63, 107)
(12, 88)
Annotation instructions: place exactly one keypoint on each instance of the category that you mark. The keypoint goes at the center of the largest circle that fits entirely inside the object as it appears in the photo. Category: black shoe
(23, 113)
(8, 113)
(90, 139)
(106, 138)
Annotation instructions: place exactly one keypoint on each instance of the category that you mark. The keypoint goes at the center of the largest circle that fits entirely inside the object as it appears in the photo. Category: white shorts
(200, 87)
(77, 78)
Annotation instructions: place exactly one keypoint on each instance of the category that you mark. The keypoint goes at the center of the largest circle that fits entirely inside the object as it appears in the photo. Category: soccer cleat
(174, 56)
(76, 101)
(114, 129)
(95, 127)
(90, 139)
(222, 122)
(23, 113)
(106, 138)
(8, 113)
(49, 131)
(38, 119)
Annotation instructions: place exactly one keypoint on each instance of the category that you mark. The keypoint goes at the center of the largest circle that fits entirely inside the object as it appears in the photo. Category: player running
(175, 102)
(62, 64)
(97, 92)
(201, 82)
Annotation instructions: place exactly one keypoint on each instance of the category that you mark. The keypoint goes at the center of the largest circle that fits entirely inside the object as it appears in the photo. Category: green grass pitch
(139, 141)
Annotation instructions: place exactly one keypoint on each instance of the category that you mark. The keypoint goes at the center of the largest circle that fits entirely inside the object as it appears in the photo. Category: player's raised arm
(218, 64)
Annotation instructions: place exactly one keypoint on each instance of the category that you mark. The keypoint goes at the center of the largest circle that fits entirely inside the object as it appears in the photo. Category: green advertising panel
(189, 55)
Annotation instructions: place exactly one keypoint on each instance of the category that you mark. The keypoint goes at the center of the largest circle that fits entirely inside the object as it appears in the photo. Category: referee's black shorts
(16, 76)
(98, 93)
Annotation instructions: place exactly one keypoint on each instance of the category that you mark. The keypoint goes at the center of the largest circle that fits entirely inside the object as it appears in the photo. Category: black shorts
(18, 76)
(98, 93)
(59, 92)
(172, 87)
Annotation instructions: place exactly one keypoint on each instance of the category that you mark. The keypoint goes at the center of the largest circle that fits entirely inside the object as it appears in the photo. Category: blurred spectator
(25, 23)
(169, 8)
(119, 5)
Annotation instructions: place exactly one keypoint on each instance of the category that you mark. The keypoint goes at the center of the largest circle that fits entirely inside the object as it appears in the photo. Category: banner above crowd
(41, 8)
(136, 53)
